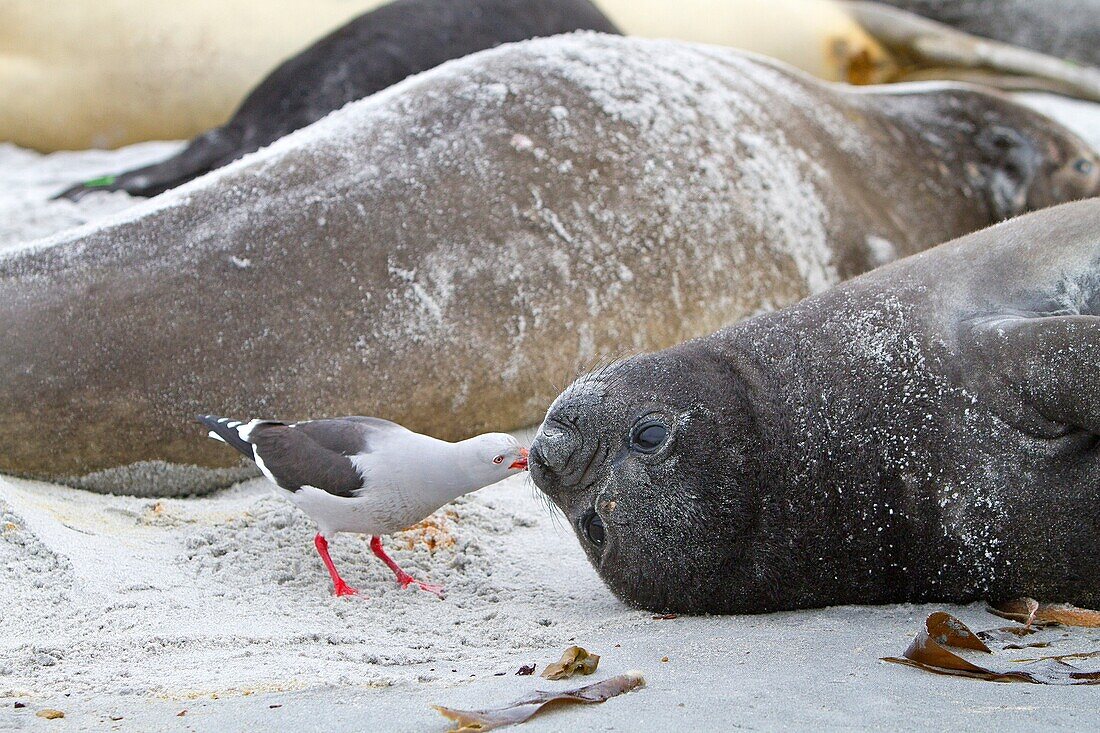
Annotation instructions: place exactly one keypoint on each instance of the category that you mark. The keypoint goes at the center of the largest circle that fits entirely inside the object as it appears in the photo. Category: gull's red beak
(521, 464)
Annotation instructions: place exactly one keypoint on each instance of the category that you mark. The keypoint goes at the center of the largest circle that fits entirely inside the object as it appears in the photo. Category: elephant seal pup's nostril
(554, 447)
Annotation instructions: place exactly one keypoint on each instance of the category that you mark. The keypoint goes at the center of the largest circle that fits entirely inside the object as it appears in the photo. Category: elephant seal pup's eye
(593, 528)
(1082, 166)
(648, 437)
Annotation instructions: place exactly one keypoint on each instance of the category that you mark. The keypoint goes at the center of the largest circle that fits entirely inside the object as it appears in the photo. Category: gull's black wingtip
(225, 430)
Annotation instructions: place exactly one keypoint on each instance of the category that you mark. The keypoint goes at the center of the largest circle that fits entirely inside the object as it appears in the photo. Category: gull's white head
(498, 455)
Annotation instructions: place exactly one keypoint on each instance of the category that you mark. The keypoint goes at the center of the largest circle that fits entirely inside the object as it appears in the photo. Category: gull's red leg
(338, 585)
(402, 577)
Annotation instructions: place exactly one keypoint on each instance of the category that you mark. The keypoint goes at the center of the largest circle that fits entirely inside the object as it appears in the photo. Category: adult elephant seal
(1067, 29)
(926, 432)
(438, 254)
(374, 51)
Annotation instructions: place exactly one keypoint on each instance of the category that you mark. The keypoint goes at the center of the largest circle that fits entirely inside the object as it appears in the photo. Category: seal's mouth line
(586, 485)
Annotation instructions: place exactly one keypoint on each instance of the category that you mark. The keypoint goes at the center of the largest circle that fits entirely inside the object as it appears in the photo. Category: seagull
(367, 475)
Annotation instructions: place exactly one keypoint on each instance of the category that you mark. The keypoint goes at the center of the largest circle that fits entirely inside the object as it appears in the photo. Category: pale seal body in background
(79, 74)
(817, 36)
(75, 74)
(926, 432)
(443, 252)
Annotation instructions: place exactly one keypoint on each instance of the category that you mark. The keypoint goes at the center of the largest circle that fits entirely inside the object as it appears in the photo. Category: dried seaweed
(524, 708)
(1063, 657)
(947, 646)
(1022, 637)
(1020, 609)
(575, 660)
(1030, 612)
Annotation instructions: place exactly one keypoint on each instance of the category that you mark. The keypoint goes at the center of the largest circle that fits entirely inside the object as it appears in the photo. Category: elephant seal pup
(926, 432)
(374, 51)
(442, 252)
(1067, 29)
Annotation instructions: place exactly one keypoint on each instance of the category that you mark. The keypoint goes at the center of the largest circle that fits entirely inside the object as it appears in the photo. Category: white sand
(28, 180)
(114, 595)
(115, 606)
(1081, 117)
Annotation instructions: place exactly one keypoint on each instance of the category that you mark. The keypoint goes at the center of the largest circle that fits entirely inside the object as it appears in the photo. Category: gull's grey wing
(349, 435)
(318, 452)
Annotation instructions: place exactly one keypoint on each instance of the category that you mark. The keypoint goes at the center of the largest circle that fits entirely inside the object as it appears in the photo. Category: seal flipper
(1042, 372)
(208, 151)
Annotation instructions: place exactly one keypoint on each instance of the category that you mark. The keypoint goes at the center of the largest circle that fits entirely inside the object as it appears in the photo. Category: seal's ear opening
(1010, 164)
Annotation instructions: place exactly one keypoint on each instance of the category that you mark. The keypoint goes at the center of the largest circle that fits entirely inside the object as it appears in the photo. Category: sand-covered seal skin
(926, 432)
(1067, 29)
(449, 252)
(368, 54)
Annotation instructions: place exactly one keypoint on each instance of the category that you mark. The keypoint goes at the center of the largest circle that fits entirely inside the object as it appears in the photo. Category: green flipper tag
(100, 182)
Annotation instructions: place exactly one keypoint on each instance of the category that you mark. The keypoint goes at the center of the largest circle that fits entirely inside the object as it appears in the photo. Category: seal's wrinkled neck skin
(633, 458)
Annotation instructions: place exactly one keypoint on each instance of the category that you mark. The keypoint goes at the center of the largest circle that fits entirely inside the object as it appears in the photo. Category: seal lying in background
(871, 43)
(926, 432)
(922, 49)
(374, 51)
(76, 74)
(401, 38)
(108, 73)
(1067, 29)
(818, 36)
(439, 253)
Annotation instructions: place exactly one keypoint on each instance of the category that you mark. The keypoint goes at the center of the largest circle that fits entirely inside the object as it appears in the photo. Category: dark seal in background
(368, 54)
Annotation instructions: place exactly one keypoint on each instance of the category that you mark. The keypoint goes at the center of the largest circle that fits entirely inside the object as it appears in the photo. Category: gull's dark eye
(1082, 166)
(498, 459)
(648, 437)
(593, 528)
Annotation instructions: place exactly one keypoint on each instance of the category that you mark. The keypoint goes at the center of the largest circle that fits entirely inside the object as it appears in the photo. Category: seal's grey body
(1068, 29)
(442, 252)
(926, 432)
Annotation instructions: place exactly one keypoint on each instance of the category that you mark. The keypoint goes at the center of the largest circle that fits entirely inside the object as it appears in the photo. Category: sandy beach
(138, 609)
(215, 613)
